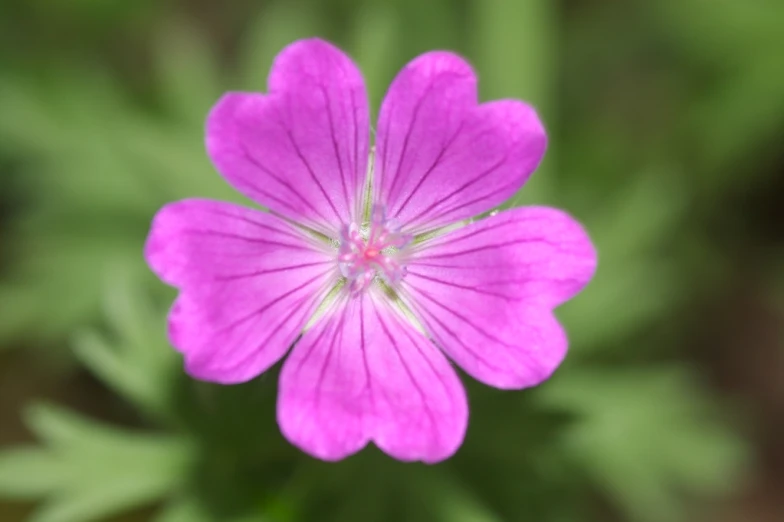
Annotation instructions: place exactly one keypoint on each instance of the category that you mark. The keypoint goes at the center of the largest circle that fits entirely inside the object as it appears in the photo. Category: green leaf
(646, 437)
(29, 473)
(633, 284)
(735, 116)
(139, 364)
(457, 503)
(621, 300)
(51, 292)
(99, 169)
(187, 509)
(639, 216)
(87, 470)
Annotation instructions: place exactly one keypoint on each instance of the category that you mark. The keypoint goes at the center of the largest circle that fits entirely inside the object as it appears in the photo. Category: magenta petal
(486, 292)
(248, 282)
(302, 149)
(364, 374)
(441, 157)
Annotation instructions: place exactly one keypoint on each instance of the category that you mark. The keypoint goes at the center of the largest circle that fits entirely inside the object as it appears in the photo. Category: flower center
(371, 250)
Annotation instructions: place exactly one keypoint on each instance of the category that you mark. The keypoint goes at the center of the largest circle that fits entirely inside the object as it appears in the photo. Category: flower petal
(302, 149)
(248, 282)
(486, 292)
(441, 157)
(363, 373)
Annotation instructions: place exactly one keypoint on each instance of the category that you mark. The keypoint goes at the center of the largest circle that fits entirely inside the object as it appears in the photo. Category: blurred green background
(666, 120)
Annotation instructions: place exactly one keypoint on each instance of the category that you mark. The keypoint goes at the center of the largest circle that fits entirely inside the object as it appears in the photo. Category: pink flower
(353, 265)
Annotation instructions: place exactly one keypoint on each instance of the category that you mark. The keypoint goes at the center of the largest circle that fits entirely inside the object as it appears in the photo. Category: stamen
(371, 250)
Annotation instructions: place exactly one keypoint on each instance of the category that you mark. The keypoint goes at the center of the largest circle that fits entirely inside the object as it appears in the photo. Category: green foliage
(94, 159)
(97, 168)
(87, 470)
(279, 25)
(738, 43)
(634, 284)
(645, 437)
(139, 364)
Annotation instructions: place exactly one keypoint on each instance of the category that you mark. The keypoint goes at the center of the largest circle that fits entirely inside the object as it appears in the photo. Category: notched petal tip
(248, 282)
(576, 259)
(163, 236)
(363, 374)
(220, 128)
(300, 150)
(521, 121)
(435, 63)
(443, 157)
(307, 48)
(313, 60)
(486, 292)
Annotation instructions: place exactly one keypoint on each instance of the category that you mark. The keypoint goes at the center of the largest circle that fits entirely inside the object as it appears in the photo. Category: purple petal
(302, 149)
(364, 374)
(441, 157)
(248, 282)
(486, 292)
